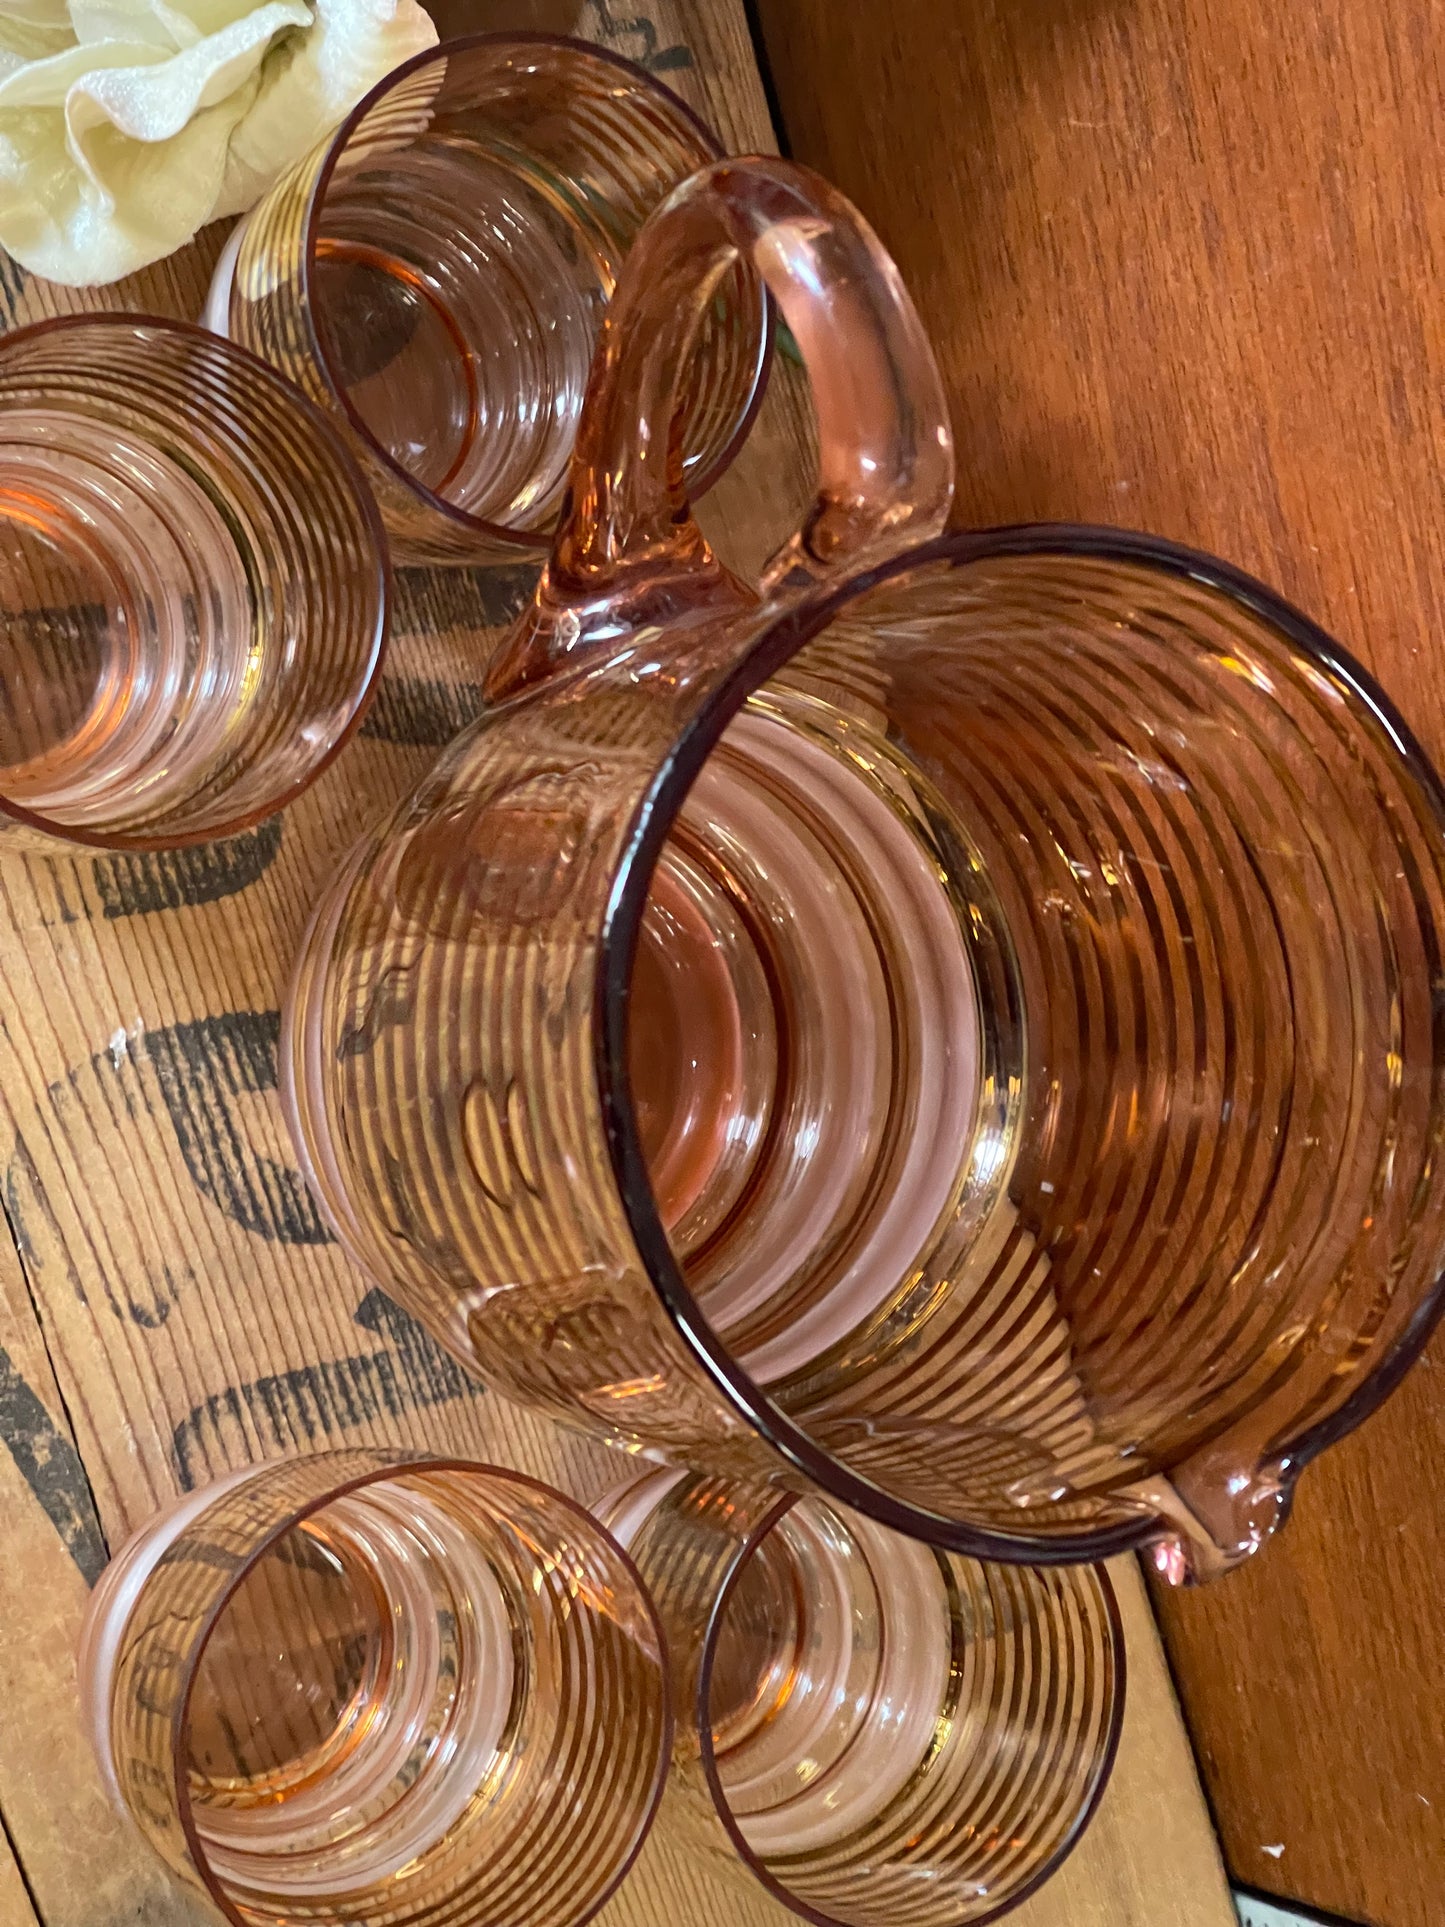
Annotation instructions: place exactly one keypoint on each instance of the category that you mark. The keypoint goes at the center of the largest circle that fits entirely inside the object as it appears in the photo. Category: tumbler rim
(651, 823)
(525, 543)
(379, 547)
(758, 1868)
(399, 1465)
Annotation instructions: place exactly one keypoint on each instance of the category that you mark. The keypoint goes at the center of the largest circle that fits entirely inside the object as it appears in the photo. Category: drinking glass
(194, 585)
(958, 1031)
(434, 276)
(365, 1686)
(887, 1734)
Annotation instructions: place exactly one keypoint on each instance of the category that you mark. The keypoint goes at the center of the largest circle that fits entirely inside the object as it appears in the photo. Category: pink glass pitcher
(958, 1027)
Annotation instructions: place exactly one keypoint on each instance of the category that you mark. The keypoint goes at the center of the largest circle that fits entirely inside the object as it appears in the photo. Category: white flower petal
(126, 125)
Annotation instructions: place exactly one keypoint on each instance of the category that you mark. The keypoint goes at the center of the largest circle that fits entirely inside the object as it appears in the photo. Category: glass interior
(362, 1689)
(122, 596)
(459, 307)
(898, 1733)
(806, 1046)
(465, 247)
(65, 616)
(193, 583)
(438, 1698)
(1040, 1088)
(295, 1660)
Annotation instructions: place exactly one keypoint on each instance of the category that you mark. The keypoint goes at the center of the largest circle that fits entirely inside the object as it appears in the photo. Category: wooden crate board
(172, 1306)
(15, 1904)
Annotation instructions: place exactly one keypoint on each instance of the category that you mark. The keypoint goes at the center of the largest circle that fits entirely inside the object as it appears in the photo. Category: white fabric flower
(126, 125)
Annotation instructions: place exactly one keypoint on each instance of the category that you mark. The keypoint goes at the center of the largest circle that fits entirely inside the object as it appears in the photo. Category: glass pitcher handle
(885, 449)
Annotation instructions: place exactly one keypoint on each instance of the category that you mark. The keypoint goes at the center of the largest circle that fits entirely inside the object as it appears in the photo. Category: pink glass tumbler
(194, 586)
(369, 1686)
(435, 274)
(881, 1733)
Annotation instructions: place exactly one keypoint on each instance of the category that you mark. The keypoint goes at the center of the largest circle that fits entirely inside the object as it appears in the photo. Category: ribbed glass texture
(887, 1734)
(193, 584)
(361, 1688)
(435, 275)
(1218, 876)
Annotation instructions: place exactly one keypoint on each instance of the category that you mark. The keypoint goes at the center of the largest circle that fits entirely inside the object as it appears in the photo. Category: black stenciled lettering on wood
(50, 1465)
(421, 712)
(66, 910)
(25, 1193)
(307, 1406)
(26, 1200)
(141, 883)
(431, 1371)
(425, 712)
(167, 1293)
(202, 1068)
(639, 38)
(137, 884)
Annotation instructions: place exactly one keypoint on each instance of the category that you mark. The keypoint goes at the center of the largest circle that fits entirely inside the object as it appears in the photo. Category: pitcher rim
(653, 818)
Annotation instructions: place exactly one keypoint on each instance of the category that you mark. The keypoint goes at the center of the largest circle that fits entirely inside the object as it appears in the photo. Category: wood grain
(15, 1907)
(83, 1863)
(1149, 1819)
(172, 1306)
(1181, 260)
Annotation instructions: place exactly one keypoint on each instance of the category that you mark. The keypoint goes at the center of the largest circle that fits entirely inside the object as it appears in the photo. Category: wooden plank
(15, 1907)
(83, 1863)
(1151, 1858)
(177, 1308)
(1178, 260)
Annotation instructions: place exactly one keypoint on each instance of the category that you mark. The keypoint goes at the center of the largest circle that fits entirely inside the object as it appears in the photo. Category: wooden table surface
(1183, 260)
(170, 1304)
